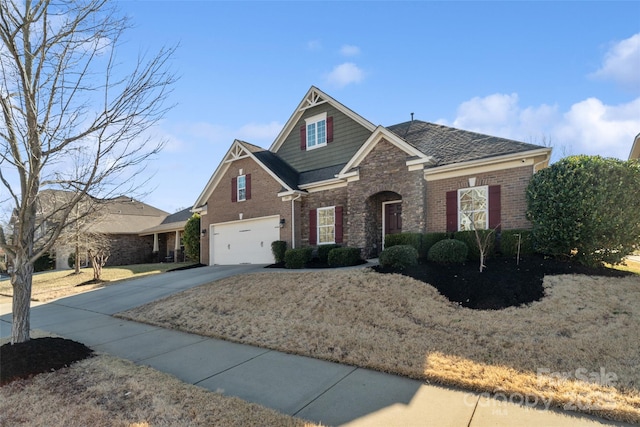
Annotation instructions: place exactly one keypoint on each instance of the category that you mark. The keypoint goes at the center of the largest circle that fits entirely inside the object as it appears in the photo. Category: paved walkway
(325, 392)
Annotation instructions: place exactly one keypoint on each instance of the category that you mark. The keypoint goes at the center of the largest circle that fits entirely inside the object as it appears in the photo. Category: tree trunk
(21, 280)
(77, 263)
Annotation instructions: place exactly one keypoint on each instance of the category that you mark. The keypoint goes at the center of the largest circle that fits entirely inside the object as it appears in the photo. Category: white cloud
(345, 74)
(595, 128)
(622, 63)
(588, 127)
(349, 50)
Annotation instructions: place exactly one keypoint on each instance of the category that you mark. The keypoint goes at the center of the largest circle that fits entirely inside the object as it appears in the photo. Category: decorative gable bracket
(312, 99)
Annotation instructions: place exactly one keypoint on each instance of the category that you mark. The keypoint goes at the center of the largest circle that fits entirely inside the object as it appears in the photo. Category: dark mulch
(502, 284)
(37, 356)
(314, 263)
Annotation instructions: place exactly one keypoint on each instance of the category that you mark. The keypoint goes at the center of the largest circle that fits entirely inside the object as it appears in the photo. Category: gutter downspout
(293, 221)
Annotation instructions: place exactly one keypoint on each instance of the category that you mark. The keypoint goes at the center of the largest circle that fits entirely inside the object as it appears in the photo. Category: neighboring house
(635, 148)
(331, 176)
(167, 236)
(121, 219)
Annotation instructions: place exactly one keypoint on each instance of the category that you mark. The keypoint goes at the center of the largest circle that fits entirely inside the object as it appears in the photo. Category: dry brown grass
(396, 324)
(106, 391)
(56, 284)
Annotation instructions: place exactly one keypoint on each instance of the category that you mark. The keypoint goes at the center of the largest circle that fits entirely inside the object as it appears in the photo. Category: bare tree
(73, 118)
(99, 250)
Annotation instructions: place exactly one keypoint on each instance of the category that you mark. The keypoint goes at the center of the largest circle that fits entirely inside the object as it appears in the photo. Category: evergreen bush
(323, 252)
(399, 256)
(449, 251)
(278, 249)
(344, 257)
(298, 257)
(509, 243)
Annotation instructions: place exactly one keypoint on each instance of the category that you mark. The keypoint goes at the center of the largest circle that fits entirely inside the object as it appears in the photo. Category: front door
(392, 218)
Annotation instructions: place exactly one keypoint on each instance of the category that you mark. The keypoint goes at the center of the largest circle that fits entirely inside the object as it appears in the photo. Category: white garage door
(244, 242)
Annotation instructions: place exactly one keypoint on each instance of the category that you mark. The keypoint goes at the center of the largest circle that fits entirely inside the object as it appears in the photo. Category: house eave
(512, 160)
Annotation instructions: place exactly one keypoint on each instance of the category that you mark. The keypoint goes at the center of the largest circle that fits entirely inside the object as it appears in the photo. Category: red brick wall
(264, 202)
(513, 184)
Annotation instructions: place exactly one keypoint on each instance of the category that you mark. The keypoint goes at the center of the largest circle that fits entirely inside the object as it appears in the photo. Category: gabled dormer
(321, 133)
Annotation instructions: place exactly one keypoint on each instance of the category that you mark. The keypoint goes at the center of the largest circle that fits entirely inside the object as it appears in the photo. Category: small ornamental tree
(586, 208)
(191, 238)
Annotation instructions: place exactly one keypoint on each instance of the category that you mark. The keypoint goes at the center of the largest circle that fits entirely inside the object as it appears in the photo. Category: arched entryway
(383, 216)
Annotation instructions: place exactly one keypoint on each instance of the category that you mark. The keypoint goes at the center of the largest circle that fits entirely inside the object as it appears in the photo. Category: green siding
(348, 137)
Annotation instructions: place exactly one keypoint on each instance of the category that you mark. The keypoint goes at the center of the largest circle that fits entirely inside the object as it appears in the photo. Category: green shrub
(323, 252)
(400, 256)
(586, 208)
(449, 251)
(278, 248)
(430, 239)
(297, 258)
(469, 237)
(191, 238)
(406, 238)
(509, 242)
(344, 257)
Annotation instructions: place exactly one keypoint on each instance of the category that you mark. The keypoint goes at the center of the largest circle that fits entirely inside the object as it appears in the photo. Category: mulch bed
(38, 355)
(502, 284)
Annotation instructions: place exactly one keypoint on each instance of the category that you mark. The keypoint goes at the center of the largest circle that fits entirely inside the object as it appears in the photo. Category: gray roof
(282, 169)
(318, 175)
(450, 145)
(179, 216)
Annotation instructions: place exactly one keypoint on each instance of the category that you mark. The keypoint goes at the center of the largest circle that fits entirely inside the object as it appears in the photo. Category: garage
(244, 242)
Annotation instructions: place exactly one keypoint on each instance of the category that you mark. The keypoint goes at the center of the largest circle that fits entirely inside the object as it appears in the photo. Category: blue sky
(564, 72)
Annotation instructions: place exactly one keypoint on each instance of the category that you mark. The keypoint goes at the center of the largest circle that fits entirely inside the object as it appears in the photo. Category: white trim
(232, 155)
(491, 164)
(238, 199)
(322, 117)
(378, 135)
(325, 208)
(324, 185)
(486, 188)
(312, 98)
(384, 221)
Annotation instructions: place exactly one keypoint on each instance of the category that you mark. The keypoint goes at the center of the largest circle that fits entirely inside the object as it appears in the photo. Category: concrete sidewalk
(325, 392)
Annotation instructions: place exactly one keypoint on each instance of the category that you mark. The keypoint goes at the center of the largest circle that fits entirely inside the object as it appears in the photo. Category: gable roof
(312, 98)
(175, 221)
(449, 145)
(124, 215)
(280, 170)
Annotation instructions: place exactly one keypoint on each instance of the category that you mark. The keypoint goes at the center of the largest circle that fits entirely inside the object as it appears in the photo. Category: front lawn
(55, 284)
(575, 348)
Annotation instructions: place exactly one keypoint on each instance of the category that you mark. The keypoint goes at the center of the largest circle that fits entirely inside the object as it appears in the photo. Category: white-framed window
(473, 208)
(242, 188)
(316, 131)
(326, 225)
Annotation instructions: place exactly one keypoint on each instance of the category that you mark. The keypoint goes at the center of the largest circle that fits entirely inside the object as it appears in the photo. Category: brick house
(331, 176)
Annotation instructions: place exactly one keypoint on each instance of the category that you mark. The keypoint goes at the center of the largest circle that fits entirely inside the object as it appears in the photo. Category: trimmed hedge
(450, 251)
(323, 252)
(430, 239)
(344, 257)
(278, 249)
(297, 258)
(399, 256)
(422, 242)
(469, 237)
(509, 242)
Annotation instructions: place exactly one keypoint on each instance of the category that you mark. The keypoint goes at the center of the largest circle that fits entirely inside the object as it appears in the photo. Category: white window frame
(332, 225)
(462, 214)
(313, 122)
(241, 197)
